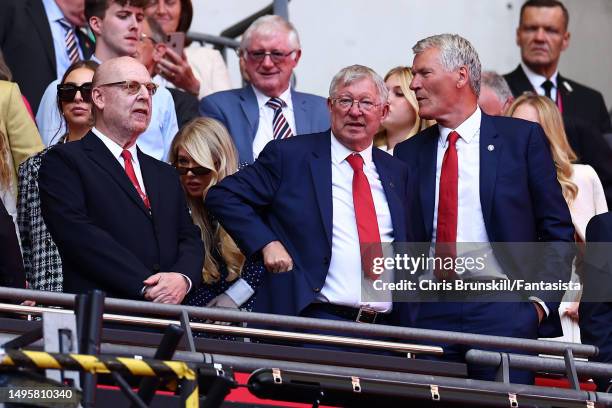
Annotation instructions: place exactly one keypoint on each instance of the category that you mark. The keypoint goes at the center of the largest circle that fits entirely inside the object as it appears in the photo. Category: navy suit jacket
(106, 237)
(286, 195)
(596, 305)
(237, 109)
(519, 193)
(27, 44)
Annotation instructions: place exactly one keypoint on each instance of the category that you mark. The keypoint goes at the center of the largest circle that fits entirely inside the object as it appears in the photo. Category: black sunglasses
(197, 171)
(67, 92)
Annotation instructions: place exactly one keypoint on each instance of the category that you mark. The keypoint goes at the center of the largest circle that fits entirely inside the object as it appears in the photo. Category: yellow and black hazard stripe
(105, 365)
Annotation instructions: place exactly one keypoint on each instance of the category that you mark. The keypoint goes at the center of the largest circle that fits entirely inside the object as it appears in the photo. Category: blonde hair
(405, 76)
(552, 123)
(209, 144)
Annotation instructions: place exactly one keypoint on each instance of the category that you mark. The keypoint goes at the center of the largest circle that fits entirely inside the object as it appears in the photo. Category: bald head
(122, 104)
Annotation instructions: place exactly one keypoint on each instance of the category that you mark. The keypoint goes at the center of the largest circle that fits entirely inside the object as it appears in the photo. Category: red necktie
(446, 232)
(365, 215)
(129, 169)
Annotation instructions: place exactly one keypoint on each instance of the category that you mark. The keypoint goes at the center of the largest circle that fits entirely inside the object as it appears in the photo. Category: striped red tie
(280, 126)
(129, 169)
(70, 41)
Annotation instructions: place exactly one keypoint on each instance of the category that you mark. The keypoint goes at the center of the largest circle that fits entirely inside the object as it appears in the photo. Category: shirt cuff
(188, 281)
(539, 301)
(240, 292)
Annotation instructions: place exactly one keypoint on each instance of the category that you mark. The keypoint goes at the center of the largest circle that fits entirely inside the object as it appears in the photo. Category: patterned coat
(41, 259)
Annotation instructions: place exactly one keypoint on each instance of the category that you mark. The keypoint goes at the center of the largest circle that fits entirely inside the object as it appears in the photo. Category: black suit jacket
(11, 263)
(106, 237)
(27, 44)
(585, 118)
(186, 106)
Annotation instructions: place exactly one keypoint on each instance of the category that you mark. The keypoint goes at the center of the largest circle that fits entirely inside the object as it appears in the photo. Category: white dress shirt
(537, 80)
(343, 285)
(265, 133)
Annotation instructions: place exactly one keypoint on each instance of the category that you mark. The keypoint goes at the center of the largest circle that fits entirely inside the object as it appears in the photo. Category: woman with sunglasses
(41, 259)
(203, 154)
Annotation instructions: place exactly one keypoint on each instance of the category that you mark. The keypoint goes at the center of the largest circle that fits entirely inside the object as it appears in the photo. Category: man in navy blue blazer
(505, 190)
(255, 114)
(296, 206)
(118, 216)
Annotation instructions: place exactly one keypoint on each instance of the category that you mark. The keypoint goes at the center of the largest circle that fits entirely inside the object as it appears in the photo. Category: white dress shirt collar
(263, 99)
(468, 130)
(114, 147)
(537, 80)
(340, 152)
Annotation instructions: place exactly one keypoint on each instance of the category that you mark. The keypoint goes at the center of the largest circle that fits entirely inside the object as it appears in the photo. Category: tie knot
(276, 103)
(452, 138)
(547, 86)
(126, 155)
(356, 161)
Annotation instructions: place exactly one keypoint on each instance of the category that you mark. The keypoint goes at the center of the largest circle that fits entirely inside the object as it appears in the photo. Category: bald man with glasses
(117, 215)
(267, 108)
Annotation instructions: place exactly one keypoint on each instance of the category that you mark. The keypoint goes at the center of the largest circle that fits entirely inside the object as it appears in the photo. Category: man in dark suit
(308, 202)
(482, 179)
(543, 35)
(596, 303)
(267, 108)
(118, 216)
(33, 41)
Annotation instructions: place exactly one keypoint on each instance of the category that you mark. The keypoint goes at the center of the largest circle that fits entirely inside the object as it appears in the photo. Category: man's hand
(540, 311)
(166, 287)
(276, 258)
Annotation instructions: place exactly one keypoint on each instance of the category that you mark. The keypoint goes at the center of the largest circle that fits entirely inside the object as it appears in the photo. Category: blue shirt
(58, 32)
(155, 141)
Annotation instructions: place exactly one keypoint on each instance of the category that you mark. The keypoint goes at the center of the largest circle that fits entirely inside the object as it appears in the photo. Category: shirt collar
(263, 99)
(115, 148)
(537, 80)
(54, 13)
(467, 130)
(340, 152)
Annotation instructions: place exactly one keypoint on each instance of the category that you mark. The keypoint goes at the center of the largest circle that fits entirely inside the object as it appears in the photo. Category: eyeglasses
(196, 171)
(363, 105)
(260, 55)
(67, 92)
(133, 87)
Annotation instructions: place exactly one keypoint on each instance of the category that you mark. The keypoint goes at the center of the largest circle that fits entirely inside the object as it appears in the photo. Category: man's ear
(298, 54)
(97, 98)
(159, 51)
(95, 23)
(566, 40)
(463, 76)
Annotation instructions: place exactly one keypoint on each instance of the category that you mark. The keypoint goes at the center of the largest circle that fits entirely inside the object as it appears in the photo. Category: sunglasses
(67, 92)
(196, 171)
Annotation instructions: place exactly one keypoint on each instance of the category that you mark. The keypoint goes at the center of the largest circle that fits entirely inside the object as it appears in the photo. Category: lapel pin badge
(391, 185)
(490, 148)
(568, 86)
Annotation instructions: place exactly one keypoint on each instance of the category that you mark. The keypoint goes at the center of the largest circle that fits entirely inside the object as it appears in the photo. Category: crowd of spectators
(129, 163)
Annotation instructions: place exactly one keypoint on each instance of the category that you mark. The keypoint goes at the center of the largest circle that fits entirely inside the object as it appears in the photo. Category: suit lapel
(320, 170)
(100, 154)
(40, 23)
(567, 100)
(388, 181)
(490, 150)
(300, 113)
(248, 103)
(427, 182)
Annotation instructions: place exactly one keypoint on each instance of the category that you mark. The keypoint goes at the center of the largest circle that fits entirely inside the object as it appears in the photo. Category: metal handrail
(244, 331)
(126, 306)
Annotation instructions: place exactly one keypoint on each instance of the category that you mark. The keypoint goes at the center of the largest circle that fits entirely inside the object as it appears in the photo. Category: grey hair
(455, 51)
(353, 73)
(271, 24)
(498, 84)
(157, 32)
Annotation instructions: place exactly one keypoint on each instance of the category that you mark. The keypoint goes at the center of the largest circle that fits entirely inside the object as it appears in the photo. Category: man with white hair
(495, 95)
(267, 108)
(486, 180)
